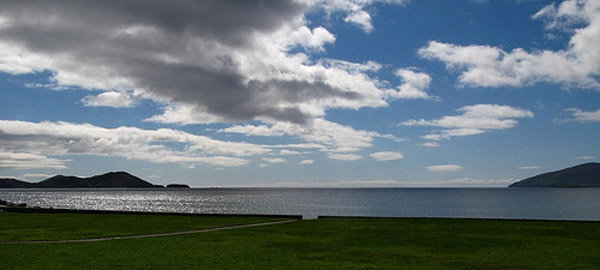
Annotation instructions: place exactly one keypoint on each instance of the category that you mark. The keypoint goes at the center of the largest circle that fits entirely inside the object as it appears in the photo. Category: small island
(178, 186)
(107, 180)
(584, 175)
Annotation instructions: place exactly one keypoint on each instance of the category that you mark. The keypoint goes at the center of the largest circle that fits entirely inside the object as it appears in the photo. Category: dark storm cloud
(229, 21)
(178, 50)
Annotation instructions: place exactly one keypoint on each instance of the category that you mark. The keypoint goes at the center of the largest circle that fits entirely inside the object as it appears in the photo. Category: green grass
(330, 243)
(30, 226)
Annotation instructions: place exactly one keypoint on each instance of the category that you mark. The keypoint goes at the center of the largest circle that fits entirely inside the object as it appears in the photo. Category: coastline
(296, 217)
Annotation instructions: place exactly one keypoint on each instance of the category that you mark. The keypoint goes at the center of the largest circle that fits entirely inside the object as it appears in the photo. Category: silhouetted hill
(118, 179)
(61, 181)
(108, 180)
(584, 175)
(14, 183)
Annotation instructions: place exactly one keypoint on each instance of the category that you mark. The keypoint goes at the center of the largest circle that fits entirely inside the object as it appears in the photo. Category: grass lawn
(35, 226)
(327, 243)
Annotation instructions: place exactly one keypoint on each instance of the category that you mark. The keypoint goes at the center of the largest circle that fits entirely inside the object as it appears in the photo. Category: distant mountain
(61, 181)
(108, 180)
(118, 179)
(14, 183)
(584, 175)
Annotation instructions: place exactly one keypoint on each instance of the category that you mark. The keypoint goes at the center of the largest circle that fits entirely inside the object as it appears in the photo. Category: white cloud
(476, 119)
(394, 138)
(109, 99)
(360, 18)
(307, 162)
(335, 137)
(528, 167)
(300, 146)
(24, 160)
(262, 130)
(431, 144)
(585, 157)
(581, 116)
(274, 160)
(445, 168)
(354, 10)
(413, 85)
(285, 152)
(62, 138)
(344, 157)
(350, 67)
(578, 65)
(563, 17)
(263, 165)
(315, 38)
(184, 114)
(386, 156)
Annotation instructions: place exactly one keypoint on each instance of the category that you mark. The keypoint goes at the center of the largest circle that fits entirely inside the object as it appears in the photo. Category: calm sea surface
(522, 203)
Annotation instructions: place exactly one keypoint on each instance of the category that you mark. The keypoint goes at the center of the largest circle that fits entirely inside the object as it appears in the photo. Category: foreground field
(328, 243)
(35, 226)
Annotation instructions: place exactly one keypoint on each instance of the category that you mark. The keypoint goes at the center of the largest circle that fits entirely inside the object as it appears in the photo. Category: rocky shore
(4, 203)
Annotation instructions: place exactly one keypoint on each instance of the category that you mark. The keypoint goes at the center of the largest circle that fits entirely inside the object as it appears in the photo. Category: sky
(366, 93)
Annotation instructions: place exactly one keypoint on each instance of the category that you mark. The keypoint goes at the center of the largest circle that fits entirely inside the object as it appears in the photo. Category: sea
(501, 203)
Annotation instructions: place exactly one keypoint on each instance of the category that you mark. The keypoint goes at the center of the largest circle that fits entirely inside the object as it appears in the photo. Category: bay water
(510, 203)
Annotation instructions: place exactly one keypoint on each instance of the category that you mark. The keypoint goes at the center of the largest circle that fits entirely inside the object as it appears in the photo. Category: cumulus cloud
(211, 61)
(344, 157)
(386, 156)
(578, 65)
(307, 162)
(32, 143)
(285, 152)
(413, 85)
(445, 168)
(274, 160)
(431, 144)
(476, 119)
(334, 136)
(312, 39)
(582, 116)
(360, 18)
(109, 99)
(354, 10)
(185, 115)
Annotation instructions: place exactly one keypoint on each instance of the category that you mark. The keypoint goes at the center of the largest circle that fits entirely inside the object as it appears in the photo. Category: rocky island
(178, 186)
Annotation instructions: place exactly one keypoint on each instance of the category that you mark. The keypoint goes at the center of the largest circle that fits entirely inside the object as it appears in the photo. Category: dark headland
(107, 180)
(584, 175)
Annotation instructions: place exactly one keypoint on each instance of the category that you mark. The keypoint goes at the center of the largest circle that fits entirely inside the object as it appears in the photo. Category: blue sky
(299, 93)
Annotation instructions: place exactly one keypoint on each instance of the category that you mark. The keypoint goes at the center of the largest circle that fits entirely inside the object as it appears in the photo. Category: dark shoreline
(299, 217)
(81, 211)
